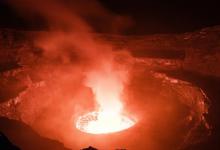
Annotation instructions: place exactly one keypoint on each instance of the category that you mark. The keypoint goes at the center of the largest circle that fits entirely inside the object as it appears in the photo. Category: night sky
(148, 16)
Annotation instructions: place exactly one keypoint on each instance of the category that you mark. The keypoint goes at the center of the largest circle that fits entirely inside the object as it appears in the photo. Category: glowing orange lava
(103, 122)
(107, 86)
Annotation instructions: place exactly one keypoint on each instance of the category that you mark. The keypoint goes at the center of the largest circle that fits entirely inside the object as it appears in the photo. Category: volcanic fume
(101, 72)
(107, 86)
(81, 90)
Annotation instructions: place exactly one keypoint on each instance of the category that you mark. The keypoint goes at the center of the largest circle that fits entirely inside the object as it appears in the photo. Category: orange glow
(107, 86)
(103, 122)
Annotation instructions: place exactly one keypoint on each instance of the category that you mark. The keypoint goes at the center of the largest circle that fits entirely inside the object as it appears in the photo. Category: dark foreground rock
(24, 137)
(5, 144)
(89, 148)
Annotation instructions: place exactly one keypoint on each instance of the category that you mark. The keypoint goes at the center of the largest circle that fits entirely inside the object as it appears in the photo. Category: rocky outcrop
(198, 51)
(6, 144)
(25, 137)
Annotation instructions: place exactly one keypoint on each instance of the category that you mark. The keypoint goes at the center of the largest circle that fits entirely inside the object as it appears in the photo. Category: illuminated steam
(75, 74)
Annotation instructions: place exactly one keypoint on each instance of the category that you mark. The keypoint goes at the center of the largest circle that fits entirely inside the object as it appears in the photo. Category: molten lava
(107, 86)
(103, 122)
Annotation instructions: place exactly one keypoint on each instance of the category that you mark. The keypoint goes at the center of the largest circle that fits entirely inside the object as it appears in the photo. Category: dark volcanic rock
(6, 144)
(27, 139)
(90, 148)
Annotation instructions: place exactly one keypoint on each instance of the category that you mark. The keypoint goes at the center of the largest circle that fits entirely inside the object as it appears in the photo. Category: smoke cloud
(73, 67)
(71, 72)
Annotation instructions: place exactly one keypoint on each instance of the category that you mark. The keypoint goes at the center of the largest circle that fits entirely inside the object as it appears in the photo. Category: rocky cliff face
(197, 51)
